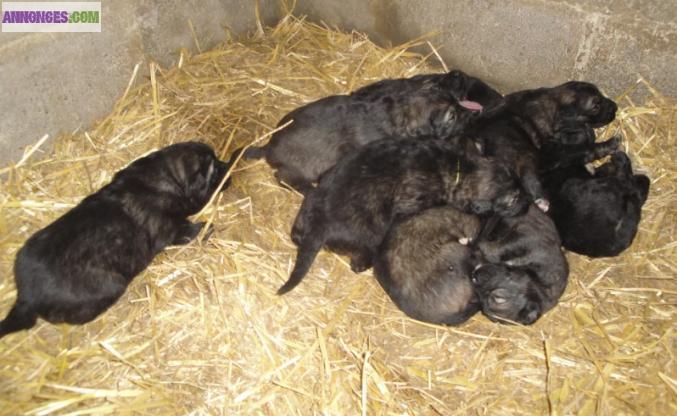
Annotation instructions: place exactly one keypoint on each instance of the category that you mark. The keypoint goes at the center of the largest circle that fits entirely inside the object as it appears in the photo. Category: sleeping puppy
(525, 272)
(356, 201)
(526, 121)
(324, 131)
(470, 92)
(425, 264)
(78, 266)
(597, 214)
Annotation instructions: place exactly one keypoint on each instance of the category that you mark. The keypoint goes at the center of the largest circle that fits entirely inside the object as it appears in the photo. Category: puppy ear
(485, 272)
(456, 83)
(499, 299)
(642, 184)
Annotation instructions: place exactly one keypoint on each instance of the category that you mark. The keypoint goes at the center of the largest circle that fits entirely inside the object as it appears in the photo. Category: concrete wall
(519, 44)
(58, 82)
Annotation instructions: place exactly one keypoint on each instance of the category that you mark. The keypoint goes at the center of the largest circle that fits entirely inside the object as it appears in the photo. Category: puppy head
(507, 294)
(451, 118)
(574, 104)
(471, 92)
(498, 191)
(583, 103)
(196, 170)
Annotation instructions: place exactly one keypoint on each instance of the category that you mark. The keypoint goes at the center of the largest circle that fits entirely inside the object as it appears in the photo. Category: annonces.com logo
(71, 16)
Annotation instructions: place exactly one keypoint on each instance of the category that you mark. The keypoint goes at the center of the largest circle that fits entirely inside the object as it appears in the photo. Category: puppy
(425, 268)
(470, 92)
(597, 214)
(356, 202)
(324, 131)
(526, 121)
(78, 266)
(526, 271)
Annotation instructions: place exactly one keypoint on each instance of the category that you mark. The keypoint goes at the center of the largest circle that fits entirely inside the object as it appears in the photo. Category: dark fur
(526, 272)
(526, 121)
(79, 265)
(597, 214)
(426, 270)
(325, 130)
(356, 202)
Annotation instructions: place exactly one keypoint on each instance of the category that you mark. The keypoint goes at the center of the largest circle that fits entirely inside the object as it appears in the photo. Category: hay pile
(202, 331)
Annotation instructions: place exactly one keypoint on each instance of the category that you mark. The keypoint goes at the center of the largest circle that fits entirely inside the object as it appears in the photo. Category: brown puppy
(357, 200)
(325, 130)
(526, 121)
(526, 271)
(425, 264)
(79, 265)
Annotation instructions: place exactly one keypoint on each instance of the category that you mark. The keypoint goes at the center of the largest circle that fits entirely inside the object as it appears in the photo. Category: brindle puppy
(425, 267)
(78, 266)
(527, 271)
(597, 214)
(356, 202)
(516, 130)
(324, 131)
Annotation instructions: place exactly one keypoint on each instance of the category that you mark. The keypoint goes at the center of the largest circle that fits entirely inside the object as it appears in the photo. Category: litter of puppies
(215, 335)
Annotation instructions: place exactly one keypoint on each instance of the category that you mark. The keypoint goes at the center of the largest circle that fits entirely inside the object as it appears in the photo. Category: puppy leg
(532, 185)
(361, 262)
(294, 181)
(188, 231)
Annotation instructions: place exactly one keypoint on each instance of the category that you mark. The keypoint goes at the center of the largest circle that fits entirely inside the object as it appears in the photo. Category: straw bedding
(202, 331)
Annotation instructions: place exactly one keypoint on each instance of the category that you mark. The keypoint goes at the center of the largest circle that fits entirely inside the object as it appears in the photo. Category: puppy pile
(460, 199)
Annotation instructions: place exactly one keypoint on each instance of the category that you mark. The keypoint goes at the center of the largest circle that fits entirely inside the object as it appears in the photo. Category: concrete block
(58, 82)
(527, 43)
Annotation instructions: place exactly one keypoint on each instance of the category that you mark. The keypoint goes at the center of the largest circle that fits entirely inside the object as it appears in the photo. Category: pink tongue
(471, 105)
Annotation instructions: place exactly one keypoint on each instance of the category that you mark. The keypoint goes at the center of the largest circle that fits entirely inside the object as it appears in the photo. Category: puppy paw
(208, 233)
(543, 204)
(187, 232)
(614, 143)
(359, 264)
(464, 240)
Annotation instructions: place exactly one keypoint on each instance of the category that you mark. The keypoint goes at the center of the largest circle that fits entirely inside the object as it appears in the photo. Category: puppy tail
(305, 257)
(227, 166)
(21, 316)
(255, 152)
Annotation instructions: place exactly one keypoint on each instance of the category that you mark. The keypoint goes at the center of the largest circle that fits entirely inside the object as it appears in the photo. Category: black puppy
(526, 121)
(356, 202)
(425, 264)
(324, 131)
(526, 271)
(77, 267)
(470, 92)
(597, 214)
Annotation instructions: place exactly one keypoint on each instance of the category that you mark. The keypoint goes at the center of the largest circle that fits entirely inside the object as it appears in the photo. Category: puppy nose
(532, 315)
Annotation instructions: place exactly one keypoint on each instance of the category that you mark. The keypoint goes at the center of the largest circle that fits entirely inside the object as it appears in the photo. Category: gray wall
(57, 82)
(516, 44)
(53, 83)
